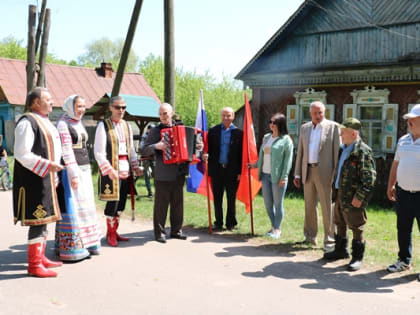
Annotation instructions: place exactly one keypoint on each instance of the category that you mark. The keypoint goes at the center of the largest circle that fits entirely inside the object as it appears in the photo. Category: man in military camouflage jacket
(354, 182)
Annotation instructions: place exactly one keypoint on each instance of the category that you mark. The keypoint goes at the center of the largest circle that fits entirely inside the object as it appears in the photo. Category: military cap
(352, 123)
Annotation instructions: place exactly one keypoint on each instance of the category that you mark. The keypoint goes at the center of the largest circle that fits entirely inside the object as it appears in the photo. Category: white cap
(414, 112)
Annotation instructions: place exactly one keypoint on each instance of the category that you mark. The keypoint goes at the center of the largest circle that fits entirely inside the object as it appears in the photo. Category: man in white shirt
(404, 188)
(316, 163)
(37, 191)
(117, 160)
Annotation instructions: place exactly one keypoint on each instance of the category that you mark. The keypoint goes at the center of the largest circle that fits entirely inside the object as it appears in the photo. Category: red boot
(119, 237)
(35, 266)
(111, 234)
(45, 261)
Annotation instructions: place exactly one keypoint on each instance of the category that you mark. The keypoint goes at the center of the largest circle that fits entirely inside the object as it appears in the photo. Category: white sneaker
(275, 234)
(269, 233)
(398, 266)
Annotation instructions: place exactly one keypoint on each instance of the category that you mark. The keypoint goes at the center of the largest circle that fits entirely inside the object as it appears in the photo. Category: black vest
(35, 199)
(79, 147)
(109, 190)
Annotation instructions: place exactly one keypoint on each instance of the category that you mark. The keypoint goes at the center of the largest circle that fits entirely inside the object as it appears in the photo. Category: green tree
(12, 48)
(106, 50)
(152, 69)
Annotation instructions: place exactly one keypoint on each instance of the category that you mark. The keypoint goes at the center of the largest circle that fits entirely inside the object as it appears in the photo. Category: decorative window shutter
(349, 110)
(329, 111)
(389, 127)
(293, 122)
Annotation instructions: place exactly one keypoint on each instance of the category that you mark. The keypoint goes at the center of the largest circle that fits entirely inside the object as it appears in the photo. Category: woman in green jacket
(274, 164)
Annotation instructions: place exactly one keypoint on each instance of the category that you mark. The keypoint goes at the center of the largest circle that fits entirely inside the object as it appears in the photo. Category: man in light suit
(316, 163)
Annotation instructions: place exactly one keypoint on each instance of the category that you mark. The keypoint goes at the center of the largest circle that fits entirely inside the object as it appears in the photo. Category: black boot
(357, 251)
(340, 251)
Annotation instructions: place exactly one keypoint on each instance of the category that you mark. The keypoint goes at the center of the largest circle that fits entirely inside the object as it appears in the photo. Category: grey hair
(114, 99)
(317, 104)
(227, 109)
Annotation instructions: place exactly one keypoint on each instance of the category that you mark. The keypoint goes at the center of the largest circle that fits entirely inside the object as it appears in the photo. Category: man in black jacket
(225, 160)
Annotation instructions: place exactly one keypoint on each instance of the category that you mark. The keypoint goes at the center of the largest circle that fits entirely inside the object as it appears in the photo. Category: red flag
(249, 184)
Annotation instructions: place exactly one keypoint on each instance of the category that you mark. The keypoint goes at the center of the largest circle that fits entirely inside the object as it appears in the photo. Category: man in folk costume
(117, 158)
(37, 191)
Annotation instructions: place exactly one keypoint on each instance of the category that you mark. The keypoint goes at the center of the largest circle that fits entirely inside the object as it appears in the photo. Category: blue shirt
(224, 144)
(344, 155)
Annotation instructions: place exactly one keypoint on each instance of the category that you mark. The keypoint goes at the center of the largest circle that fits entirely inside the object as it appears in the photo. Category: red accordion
(181, 142)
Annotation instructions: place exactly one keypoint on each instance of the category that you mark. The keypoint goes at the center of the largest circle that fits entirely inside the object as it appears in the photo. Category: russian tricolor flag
(197, 182)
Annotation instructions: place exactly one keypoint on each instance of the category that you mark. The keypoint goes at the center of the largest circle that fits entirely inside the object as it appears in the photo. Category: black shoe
(231, 228)
(217, 228)
(179, 236)
(161, 239)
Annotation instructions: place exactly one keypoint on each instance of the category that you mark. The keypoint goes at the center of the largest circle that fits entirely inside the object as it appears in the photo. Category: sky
(219, 36)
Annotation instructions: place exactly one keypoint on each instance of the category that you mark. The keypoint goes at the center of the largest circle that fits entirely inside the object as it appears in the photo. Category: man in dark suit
(225, 160)
(169, 180)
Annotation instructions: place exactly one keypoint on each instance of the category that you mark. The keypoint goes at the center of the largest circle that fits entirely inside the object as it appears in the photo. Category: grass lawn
(381, 232)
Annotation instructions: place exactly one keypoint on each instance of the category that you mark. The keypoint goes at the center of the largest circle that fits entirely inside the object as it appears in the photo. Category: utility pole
(169, 53)
(126, 49)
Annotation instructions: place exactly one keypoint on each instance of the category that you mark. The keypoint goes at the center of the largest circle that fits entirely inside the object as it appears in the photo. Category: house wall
(272, 100)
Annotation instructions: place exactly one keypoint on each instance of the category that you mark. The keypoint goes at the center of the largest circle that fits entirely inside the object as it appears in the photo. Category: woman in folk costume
(37, 191)
(117, 159)
(78, 234)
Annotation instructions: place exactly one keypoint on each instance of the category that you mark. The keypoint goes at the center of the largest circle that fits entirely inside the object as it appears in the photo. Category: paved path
(203, 275)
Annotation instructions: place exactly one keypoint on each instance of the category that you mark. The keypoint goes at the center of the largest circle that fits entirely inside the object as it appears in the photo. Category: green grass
(381, 231)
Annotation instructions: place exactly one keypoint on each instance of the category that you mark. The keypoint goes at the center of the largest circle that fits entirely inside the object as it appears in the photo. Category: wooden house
(360, 58)
(62, 81)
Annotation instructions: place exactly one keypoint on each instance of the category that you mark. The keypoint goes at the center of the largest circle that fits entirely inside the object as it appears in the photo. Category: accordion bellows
(181, 142)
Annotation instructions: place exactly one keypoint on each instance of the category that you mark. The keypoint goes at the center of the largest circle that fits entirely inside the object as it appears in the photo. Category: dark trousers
(37, 231)
(225, 181)
(168, 193)
(354, 219)
(112, 207)
(408, 208)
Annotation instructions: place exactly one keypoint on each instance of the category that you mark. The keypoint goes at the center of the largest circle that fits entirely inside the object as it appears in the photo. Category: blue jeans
(408, 209)
(273, 200)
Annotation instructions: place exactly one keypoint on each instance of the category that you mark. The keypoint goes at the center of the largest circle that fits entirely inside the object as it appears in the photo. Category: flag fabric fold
(249, 185)
(196, 182)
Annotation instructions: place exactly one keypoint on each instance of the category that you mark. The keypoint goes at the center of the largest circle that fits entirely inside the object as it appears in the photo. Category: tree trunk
(30, 56)
(169, 53)
(126, 48)
(40, 25)
(43, 52)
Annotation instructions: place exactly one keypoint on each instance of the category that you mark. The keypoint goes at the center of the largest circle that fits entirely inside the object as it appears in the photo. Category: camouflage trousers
(354, 219)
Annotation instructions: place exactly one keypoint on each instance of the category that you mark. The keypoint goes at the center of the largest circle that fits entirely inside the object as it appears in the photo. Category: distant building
(62, 81)
(360, 58)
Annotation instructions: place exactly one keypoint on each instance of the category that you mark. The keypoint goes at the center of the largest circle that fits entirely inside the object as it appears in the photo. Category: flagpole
(208, 199)
(250, 198)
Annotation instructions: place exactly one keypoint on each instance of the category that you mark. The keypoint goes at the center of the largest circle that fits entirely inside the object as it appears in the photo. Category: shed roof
(63, 80)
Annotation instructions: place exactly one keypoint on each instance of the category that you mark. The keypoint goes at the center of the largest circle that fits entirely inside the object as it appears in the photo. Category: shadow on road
(13, 260)
(337, 278)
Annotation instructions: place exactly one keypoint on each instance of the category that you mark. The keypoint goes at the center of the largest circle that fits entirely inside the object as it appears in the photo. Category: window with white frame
(378, 118)
(298, 114)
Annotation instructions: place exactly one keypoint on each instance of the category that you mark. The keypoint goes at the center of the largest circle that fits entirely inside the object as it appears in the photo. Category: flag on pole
(196, 182)
(249, 184)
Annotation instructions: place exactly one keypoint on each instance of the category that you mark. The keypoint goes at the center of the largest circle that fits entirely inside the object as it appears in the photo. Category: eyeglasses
(271, 122)
(119, 107)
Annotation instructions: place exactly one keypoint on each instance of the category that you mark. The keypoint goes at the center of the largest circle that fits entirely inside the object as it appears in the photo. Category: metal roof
(63, 80)
(144, 106)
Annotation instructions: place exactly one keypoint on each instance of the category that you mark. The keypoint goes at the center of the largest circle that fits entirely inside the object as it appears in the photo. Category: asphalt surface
(206, 274)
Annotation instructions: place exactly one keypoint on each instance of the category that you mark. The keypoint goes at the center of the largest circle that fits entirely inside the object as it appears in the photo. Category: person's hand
(139, 171)
(252, 165)
(113, 175)
(161, 145)
(74, 183)
(55, 167)
(281, 183)
(297, 182)
(205, 157)
(239, 177)
(391, 193)
(356, 202)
